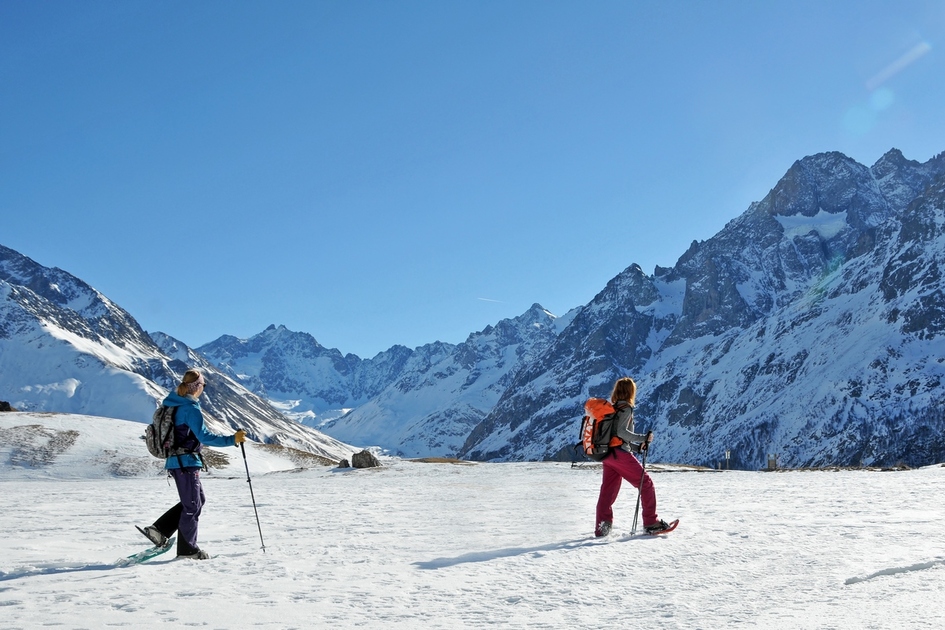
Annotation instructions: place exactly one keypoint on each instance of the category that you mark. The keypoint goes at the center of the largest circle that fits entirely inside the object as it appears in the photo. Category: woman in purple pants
(621, 464)
(184, 465)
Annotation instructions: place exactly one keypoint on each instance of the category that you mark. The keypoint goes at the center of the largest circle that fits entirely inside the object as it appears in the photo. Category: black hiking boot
(151, 533)
(657, 527)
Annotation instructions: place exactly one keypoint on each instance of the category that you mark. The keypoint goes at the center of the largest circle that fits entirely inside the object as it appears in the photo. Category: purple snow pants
(622, 465)
(184, 516)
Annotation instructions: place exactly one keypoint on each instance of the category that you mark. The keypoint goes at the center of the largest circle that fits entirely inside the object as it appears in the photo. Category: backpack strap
(180, 462)
(619, 406)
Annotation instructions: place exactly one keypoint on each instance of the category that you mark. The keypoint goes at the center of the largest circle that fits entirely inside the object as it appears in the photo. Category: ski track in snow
(487, 546)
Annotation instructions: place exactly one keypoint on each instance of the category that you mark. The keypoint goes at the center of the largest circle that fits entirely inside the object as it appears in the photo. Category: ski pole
(636, 510)
(252, 496)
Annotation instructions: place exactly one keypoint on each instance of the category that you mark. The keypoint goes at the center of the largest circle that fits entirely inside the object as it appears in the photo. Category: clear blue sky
(400, 172)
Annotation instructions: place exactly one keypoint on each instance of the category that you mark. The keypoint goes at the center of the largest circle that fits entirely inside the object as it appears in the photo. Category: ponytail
(189, 384)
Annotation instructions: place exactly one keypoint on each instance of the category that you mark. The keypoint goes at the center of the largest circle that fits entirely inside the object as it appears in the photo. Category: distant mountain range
(810, 327)
(423, 401)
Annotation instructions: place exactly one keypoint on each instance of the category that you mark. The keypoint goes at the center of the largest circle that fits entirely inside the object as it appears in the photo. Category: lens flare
(860, 119)
(882, 99)
(914, 54)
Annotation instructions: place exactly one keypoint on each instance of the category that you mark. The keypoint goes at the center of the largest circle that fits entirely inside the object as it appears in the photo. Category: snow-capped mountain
(810, 327)
(65, 347)
(431, 410)
(415, 402)
(305, 380)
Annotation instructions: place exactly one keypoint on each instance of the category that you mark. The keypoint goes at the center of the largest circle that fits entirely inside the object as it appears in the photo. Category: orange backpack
(599, 429)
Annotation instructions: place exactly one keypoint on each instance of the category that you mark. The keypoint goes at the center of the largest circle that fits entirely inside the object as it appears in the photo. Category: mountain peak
(891, 161)
(822, 182)
(537, 310)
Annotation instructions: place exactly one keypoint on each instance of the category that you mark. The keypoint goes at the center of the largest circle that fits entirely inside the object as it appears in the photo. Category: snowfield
(441, 545)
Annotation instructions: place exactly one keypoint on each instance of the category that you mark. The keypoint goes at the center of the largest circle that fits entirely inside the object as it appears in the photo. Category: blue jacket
(189, 416)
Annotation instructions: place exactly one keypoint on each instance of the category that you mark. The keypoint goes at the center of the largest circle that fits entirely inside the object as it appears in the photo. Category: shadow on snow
(537, 551)
(57, 569)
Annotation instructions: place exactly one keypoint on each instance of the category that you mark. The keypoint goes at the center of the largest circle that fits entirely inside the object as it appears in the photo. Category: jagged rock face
(609, 336)
(65, 347)
(278, 362)
(810, 326)
(310, 383)
(912, 277)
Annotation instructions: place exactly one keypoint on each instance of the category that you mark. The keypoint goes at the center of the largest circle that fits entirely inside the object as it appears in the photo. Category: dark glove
(645, 445)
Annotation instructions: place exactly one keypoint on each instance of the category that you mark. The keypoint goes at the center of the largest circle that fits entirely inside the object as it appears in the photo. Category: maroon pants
(621, 465)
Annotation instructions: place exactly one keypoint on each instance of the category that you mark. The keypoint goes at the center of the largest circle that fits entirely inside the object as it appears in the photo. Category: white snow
(671, 299)
(52, 369)
(420, 545)
(824, 223)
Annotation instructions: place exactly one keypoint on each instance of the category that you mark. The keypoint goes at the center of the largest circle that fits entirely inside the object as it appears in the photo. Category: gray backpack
(159, 435)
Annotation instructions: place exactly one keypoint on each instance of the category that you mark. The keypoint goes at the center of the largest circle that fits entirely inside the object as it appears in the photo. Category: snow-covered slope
(54, 359)
(64, 347)
(41, 445)
(809, 327)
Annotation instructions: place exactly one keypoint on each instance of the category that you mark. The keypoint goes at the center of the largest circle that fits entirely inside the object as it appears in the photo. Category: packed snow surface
(453, 545)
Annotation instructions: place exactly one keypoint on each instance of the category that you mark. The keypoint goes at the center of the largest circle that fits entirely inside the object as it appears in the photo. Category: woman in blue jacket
(184, 464)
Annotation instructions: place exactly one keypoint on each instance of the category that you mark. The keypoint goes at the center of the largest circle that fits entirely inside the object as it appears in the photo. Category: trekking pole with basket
(636, 510)
(250, 482)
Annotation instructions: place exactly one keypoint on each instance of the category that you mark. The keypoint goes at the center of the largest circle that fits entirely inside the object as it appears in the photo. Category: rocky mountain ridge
(809, 327)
